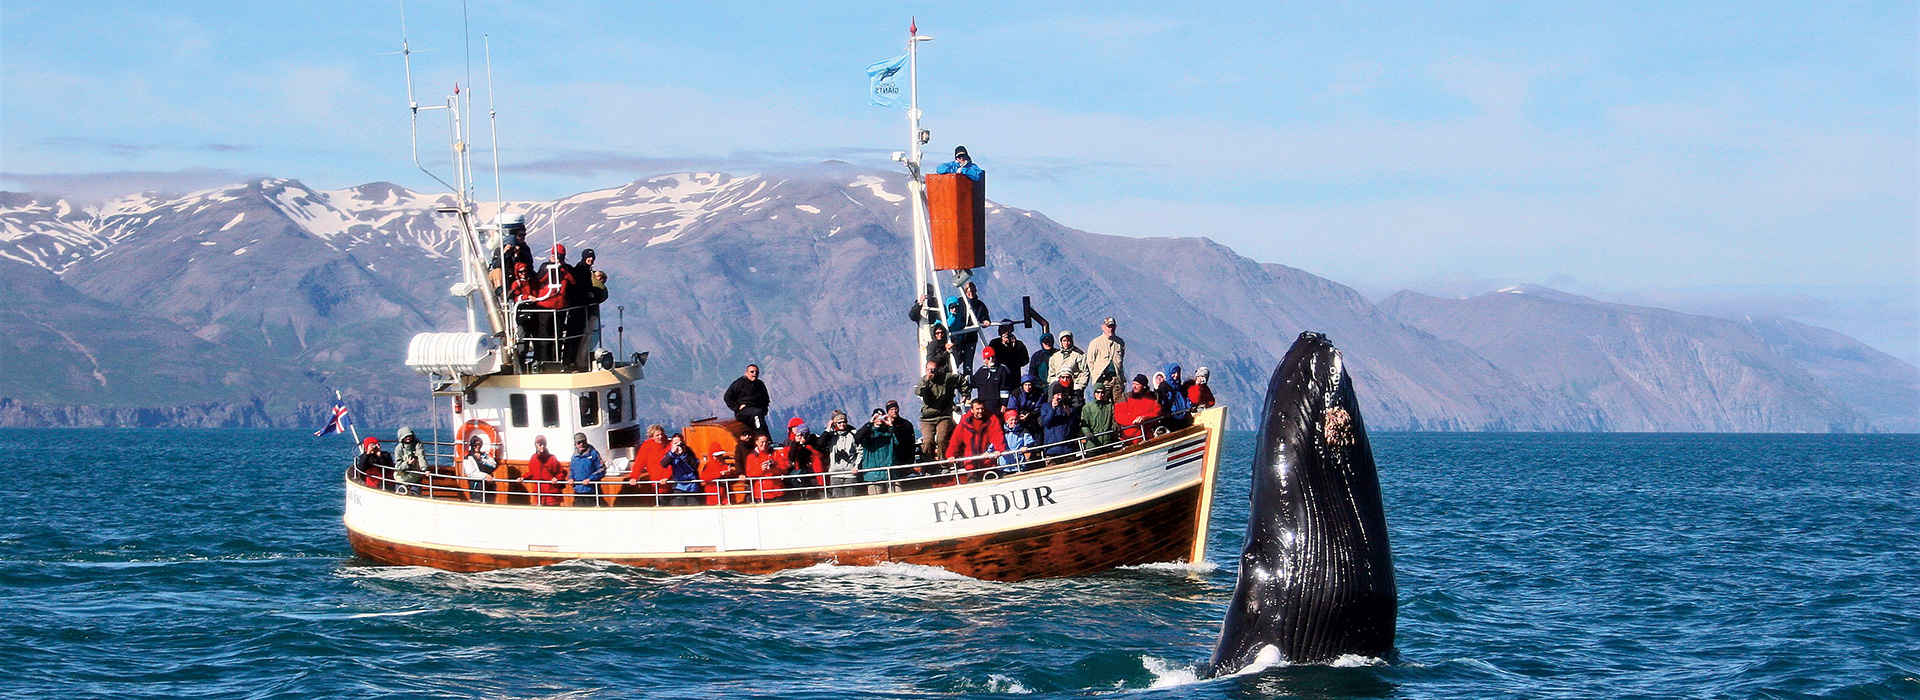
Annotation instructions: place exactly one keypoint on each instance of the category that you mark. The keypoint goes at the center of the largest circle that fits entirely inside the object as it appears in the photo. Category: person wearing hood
(410, 463)
(938, 390)
(1096, 418)
(1173, 397)
(1198, 393)
(993, 382)
(1019, 440)
(585, 470)
(1027, 399)
(1139, 413)
(1010, 351)
(843, 456)
(1063, 385)
(962, 163)
(684, 467)
(1058, 419)
(373, 464)
(546, 473)
(802, 453)
(1037, 363)
(1073, 360)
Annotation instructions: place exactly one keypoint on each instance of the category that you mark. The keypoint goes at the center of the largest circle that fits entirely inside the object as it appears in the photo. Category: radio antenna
(493, 124)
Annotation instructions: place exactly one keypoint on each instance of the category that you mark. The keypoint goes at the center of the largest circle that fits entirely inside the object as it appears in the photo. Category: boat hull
(1146, 504)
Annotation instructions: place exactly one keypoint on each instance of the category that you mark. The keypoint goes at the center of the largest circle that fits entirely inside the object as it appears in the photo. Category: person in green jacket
(410, 462)
(878, 439)
(1096, 418)
(937, 390)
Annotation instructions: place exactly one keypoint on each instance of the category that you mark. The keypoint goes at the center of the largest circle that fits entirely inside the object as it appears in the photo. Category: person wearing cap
(684, 466)
(1038, 361)
(373, 462)
(978, 433)
(747, 398)
(513, 242)
(1107, 356)
(583, 313)
(585, 470)
(1140, 412)
(802, 454)
(1198, 393)
(843, 455)
(993, 383)
(877, 443)
(1009, 350)
(1096, 418)
(477, 468)
(1072, 359)
(545, 472)
(905, 443)
(961, 163)
(1062, 385)
(939, 390)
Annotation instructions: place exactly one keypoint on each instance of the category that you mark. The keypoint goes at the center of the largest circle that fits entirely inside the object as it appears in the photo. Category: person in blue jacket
(1173, 399)
(963, 164)
(585, 469)
(685, 468)
(1058, 419)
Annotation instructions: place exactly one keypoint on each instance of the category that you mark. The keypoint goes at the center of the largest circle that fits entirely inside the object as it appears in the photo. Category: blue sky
(1727, 158)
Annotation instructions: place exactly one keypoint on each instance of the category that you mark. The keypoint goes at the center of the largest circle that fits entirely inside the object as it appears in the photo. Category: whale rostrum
(1316, 577)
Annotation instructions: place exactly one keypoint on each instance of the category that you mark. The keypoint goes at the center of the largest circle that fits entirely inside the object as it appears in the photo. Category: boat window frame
(589, 403)
(549, 410)
(616, 411)
(517, 414)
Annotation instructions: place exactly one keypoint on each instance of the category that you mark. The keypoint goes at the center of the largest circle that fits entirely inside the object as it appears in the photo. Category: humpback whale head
(1316, 577)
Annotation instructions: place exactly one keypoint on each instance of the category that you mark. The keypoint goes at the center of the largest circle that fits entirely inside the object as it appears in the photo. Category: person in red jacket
(977, 434)
(1197, 392)
(546, 472)
(650, 473)
(1139, 413)
(717, 476)
(763, 463)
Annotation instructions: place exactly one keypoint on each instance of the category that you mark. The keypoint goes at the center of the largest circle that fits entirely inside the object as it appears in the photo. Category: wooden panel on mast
(957, 212)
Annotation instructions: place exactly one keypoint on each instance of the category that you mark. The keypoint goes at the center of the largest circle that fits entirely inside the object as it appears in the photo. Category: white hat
(509, 219)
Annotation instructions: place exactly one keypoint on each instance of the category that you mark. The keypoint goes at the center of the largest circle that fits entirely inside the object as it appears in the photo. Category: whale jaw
(1316, 576)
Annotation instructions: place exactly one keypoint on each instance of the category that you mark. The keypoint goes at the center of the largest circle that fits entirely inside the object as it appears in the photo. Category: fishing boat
(1092, 503)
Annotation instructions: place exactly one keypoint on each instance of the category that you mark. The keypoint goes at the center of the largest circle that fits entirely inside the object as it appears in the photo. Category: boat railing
(559, 338)
(443, 479)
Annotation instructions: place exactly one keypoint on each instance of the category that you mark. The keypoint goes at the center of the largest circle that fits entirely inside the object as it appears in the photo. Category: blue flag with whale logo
(882, 89)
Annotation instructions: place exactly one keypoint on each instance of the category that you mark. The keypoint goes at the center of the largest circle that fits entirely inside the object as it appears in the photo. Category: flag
(882, 89)
(339, 423)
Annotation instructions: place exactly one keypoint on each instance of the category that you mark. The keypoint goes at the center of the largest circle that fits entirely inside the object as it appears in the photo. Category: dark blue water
(212, 564)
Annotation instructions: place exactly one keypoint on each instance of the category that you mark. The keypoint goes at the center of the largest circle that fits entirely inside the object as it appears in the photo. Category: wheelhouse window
(517, 409)
(549, 410)
(616, 413)
(589, 408)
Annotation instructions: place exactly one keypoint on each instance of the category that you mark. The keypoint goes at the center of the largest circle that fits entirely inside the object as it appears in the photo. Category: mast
(917, 191)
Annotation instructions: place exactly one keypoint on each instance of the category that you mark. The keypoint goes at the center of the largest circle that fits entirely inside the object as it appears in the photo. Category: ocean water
(212, 564)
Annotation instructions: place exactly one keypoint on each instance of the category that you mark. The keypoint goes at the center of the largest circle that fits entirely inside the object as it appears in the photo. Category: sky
(1716, 158)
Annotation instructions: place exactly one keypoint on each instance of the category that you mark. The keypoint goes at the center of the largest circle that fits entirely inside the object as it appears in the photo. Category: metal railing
(442, 477)
(545, 335)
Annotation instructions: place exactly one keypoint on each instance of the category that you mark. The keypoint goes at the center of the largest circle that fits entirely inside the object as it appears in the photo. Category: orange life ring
(489, 439)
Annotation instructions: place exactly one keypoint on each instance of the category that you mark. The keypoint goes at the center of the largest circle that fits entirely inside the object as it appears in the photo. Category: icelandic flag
(882, 89)
(339, 423)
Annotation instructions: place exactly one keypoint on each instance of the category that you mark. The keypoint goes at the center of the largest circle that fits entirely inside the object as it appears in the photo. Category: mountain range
(250, 305)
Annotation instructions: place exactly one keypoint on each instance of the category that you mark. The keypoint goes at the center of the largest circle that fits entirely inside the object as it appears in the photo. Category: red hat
(369, 440)
(795, 422)
(559, 249)
(1010, 413)
(986, 351)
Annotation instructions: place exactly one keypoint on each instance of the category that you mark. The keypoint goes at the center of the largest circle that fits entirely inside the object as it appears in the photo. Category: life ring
(489, 439)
